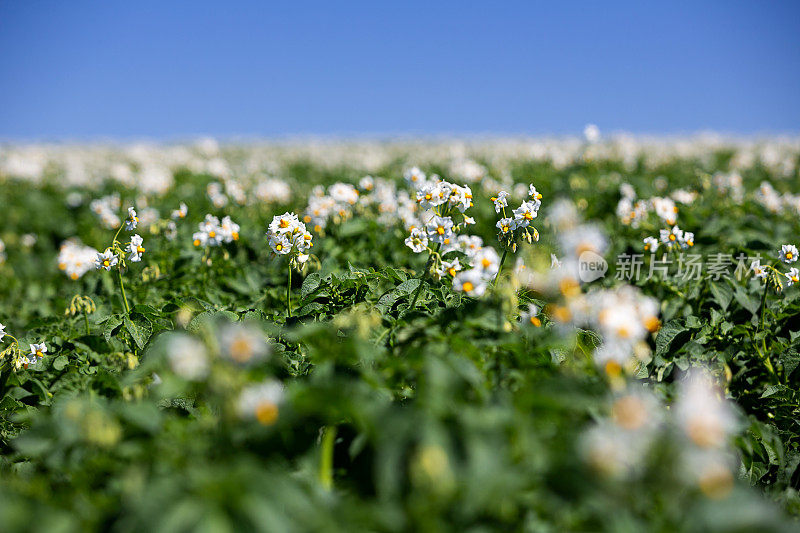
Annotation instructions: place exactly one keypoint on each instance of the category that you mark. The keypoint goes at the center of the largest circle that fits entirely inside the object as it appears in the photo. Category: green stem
(86, 321)
(122, 290)
(326, 457)
(289, 294)
(500, 267)
(424, 275)
(3, 378)
(763, 307)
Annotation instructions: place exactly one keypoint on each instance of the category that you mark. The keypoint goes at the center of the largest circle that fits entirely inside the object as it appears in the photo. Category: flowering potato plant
(373, 358)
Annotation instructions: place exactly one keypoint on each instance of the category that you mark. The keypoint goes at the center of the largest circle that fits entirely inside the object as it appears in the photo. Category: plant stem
(86, 321)
(500, 267)
(763, 307)
(424, 275)
(326, 457)
(289, 294)
(122, 290)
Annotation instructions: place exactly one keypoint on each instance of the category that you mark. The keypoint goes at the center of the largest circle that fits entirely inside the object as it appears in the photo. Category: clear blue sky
(165, 69)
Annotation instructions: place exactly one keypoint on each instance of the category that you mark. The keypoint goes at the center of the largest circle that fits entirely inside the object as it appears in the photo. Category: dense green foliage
(451, 415)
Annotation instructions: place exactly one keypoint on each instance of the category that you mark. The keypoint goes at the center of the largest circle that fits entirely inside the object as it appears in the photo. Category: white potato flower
(132, 220)
(417, 241)
(36, 354)
(526, 212)
(181, 212)
(135, 248)
(792, 276)
(261, 401)
(470, 282)
(187, 357)
(500, 201)
(106, 260)
(440, 229)
(788, 253)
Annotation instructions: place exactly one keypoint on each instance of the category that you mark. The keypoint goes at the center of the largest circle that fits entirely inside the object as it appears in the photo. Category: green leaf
(667, 335)
(60, 362)
(139, 327)
(722, 294)
(310, 284)
(112, 323)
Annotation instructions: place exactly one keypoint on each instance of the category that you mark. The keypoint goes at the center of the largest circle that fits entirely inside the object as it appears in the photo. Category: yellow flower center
(140, 249)
(212, 234)
(106, 263)
(196, 242)
(241, 350)
(629, 413)
(284, 223)
(306, 219)
(428, 196)
(535, 321)
(486, 262)
(788, 255)
(468, 286)
(267, 413)
(235, 236)
(652, 324)
(451, 271)
(672, 236)
(279, 247)
(613, 369)
(440, 230)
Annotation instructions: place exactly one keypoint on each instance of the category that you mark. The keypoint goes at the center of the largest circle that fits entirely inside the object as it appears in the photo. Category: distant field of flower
(595, 334)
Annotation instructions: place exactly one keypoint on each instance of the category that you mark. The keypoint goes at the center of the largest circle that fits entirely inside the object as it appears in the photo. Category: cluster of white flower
(485, 264)
(335, 205)
(106, 209)
(512, 229)
(623, 317)
(273, 191)
(18, 358)
(787, 254)
(76, 259)
(433, 194)
(618, 445)
(701, 424)
(288, 236)
(730, 185)
(775, 202)
(632, 211)
(218, 198)
(213, 232)
(392, 205)
(670, 239)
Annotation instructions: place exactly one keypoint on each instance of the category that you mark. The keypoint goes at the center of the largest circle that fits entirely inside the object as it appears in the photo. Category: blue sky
(168, 69)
